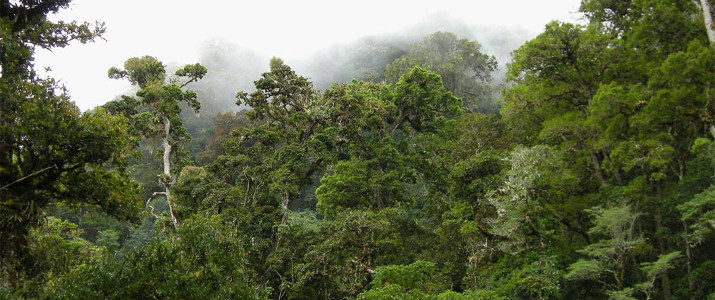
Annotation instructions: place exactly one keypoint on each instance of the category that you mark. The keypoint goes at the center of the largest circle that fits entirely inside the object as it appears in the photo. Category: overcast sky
(173, 30)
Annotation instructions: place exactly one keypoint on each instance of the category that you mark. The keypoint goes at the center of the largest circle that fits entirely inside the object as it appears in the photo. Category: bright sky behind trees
(173, 31)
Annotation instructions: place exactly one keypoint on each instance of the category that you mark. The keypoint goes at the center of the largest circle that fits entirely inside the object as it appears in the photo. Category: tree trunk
(284, 206)
(616, 173)
(688, 262)
(597, 169)
(705, 7)
(664, 279)
(167, 180)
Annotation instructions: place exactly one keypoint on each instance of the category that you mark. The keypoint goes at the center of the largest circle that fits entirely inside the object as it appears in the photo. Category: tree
(223, 125)
(376, 125)
(163, 117)
(418, 280)
(608, 258)
(465, 70)
(358, 137)
(555, 75)
(283, 110)
(49, 151)
(655, 269)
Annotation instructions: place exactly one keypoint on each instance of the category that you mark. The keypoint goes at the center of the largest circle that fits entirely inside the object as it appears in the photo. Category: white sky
(173, 30)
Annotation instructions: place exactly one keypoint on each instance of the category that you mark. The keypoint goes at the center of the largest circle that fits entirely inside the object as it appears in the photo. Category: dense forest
(586, 173)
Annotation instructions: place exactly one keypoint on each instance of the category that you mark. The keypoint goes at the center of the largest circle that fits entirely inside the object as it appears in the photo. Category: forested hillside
(588, 174)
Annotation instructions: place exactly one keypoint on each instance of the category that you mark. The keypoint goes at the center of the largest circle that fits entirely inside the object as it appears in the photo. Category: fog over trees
(233, 66)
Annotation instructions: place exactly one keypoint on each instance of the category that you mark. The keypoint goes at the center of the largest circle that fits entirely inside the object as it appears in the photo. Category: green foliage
(557, 73)
(594, 182)
(349, 248)
(420, 275)
(205, 261)
(277, 94)
(49, 152)
(470, 295)
(163, 99)
(357, 138)
(192, 185)
(141, 71)
(421, 280)
(163, 116)
(610, 254)
(376, 177)
(422, 100)
(108, 238)
(480, 132)
(624, 102)
(654, 269)
(701, 277)
(376, 184)
(699, 212)
(298, 134)
(141, 235)
(465, 70)
(54, 249)
(393, 291)
(279, 144)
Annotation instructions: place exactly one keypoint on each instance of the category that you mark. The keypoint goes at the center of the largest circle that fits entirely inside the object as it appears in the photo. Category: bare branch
(697, 4)
(28, 176)
(151, 208)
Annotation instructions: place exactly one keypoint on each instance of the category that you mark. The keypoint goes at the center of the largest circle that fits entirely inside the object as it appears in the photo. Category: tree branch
(189, 81)
(697, 4)
(28, 176)
(154, 195)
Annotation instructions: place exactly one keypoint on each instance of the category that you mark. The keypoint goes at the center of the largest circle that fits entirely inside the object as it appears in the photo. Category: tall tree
(283, 108)
(376, 125)
(163, 117)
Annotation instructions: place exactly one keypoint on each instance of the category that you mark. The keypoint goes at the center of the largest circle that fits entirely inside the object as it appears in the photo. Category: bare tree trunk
(706, 9)
(688, 262)
(167, 180)
(284, 206)
(707, 104)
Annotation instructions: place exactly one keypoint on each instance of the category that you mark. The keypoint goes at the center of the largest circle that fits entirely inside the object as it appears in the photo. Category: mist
(233, 67)
(366, 57)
